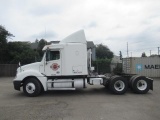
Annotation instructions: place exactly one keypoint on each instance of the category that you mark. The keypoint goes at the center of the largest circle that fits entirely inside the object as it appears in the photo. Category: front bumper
(17, 85)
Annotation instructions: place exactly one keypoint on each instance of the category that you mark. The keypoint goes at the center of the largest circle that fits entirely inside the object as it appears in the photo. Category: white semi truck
(67, 66)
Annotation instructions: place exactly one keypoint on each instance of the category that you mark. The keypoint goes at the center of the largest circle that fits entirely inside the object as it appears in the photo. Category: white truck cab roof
(77, 37)
(53, 46)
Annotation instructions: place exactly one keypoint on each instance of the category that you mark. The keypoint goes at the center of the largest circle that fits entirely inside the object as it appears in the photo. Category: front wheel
(118, 85)
(32, 87)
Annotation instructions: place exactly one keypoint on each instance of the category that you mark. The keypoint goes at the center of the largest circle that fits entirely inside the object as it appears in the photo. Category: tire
(140, 85)
(130, 81)
(106, 86)
(118, 85)
(106, 82)
(32, 87)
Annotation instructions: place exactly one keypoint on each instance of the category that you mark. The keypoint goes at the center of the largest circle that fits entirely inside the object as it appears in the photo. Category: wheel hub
(30, 88)
(141, 84)
(119, 85)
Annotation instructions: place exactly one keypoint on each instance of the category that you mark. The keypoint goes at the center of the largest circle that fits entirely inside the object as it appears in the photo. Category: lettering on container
(152, 66)
(140, 67)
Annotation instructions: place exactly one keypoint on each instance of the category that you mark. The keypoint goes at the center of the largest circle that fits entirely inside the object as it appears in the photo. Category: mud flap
(151, 83)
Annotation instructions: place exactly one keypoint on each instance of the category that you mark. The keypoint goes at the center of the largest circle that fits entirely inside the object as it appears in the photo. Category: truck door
(53, 63)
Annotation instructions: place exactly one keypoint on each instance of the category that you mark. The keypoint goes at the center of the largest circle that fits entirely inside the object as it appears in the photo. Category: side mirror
(47, 58)
(47, 55)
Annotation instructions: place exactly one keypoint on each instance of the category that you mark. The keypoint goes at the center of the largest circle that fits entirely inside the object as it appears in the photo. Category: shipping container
(146, 66)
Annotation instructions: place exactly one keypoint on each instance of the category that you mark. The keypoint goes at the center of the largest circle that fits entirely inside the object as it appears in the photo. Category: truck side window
(53, 55)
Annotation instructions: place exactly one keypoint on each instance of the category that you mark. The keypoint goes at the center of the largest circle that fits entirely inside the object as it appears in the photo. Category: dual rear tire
(119, 85)
(139, 84)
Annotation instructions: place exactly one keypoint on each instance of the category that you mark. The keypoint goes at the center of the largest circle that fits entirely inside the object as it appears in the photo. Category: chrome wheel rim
(141, 84)
(119, 85)
(30, 88)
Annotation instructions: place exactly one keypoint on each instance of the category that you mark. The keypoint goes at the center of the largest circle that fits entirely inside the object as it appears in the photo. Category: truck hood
(33, 66)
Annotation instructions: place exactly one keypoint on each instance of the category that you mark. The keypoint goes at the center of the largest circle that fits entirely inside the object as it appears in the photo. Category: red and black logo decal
(54, 66)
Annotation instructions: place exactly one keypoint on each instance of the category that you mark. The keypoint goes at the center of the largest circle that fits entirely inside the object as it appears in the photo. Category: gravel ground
(92, 103)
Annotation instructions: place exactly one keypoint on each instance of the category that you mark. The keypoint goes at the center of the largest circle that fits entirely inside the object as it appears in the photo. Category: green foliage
(118, 68)
(104, 57)
(103, 52)
(21, 52)
(41, 44)
(4, 35)
(36, 41)
(14, 52)
(102, 66)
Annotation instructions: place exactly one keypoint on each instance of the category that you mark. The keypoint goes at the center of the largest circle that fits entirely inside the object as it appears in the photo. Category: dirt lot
(92, 103)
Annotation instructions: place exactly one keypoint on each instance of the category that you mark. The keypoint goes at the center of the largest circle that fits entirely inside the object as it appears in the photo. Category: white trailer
(67, 66)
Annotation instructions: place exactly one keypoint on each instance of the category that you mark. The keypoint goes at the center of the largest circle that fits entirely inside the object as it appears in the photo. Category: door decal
(54, 66)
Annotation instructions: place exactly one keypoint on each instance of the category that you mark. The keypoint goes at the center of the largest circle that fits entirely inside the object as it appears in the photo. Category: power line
(144, 49)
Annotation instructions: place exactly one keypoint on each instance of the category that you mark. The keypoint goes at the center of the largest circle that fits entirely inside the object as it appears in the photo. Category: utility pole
(127, 60)
(127, 50)
(150, 53)
(158, 50)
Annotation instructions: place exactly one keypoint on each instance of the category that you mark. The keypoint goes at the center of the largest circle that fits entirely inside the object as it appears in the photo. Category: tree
(103, 52)
(118, 69)
(36, 41)
(102, 66)
(143, 54)
(41, 44)
(21, 52)
(103, 61)
(4, 35)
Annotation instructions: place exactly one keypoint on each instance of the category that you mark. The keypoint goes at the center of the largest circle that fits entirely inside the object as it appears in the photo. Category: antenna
(45, 33)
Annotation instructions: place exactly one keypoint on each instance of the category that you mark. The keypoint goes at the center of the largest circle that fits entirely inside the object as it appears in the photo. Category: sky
(113, 23)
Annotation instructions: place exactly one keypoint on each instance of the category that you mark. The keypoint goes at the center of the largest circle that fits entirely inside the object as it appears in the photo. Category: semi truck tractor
(67, 66)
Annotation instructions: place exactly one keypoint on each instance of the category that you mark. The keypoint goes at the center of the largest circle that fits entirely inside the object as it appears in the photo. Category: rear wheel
(32, 87)
(131, 79)
(118, 85)
(140, 85)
